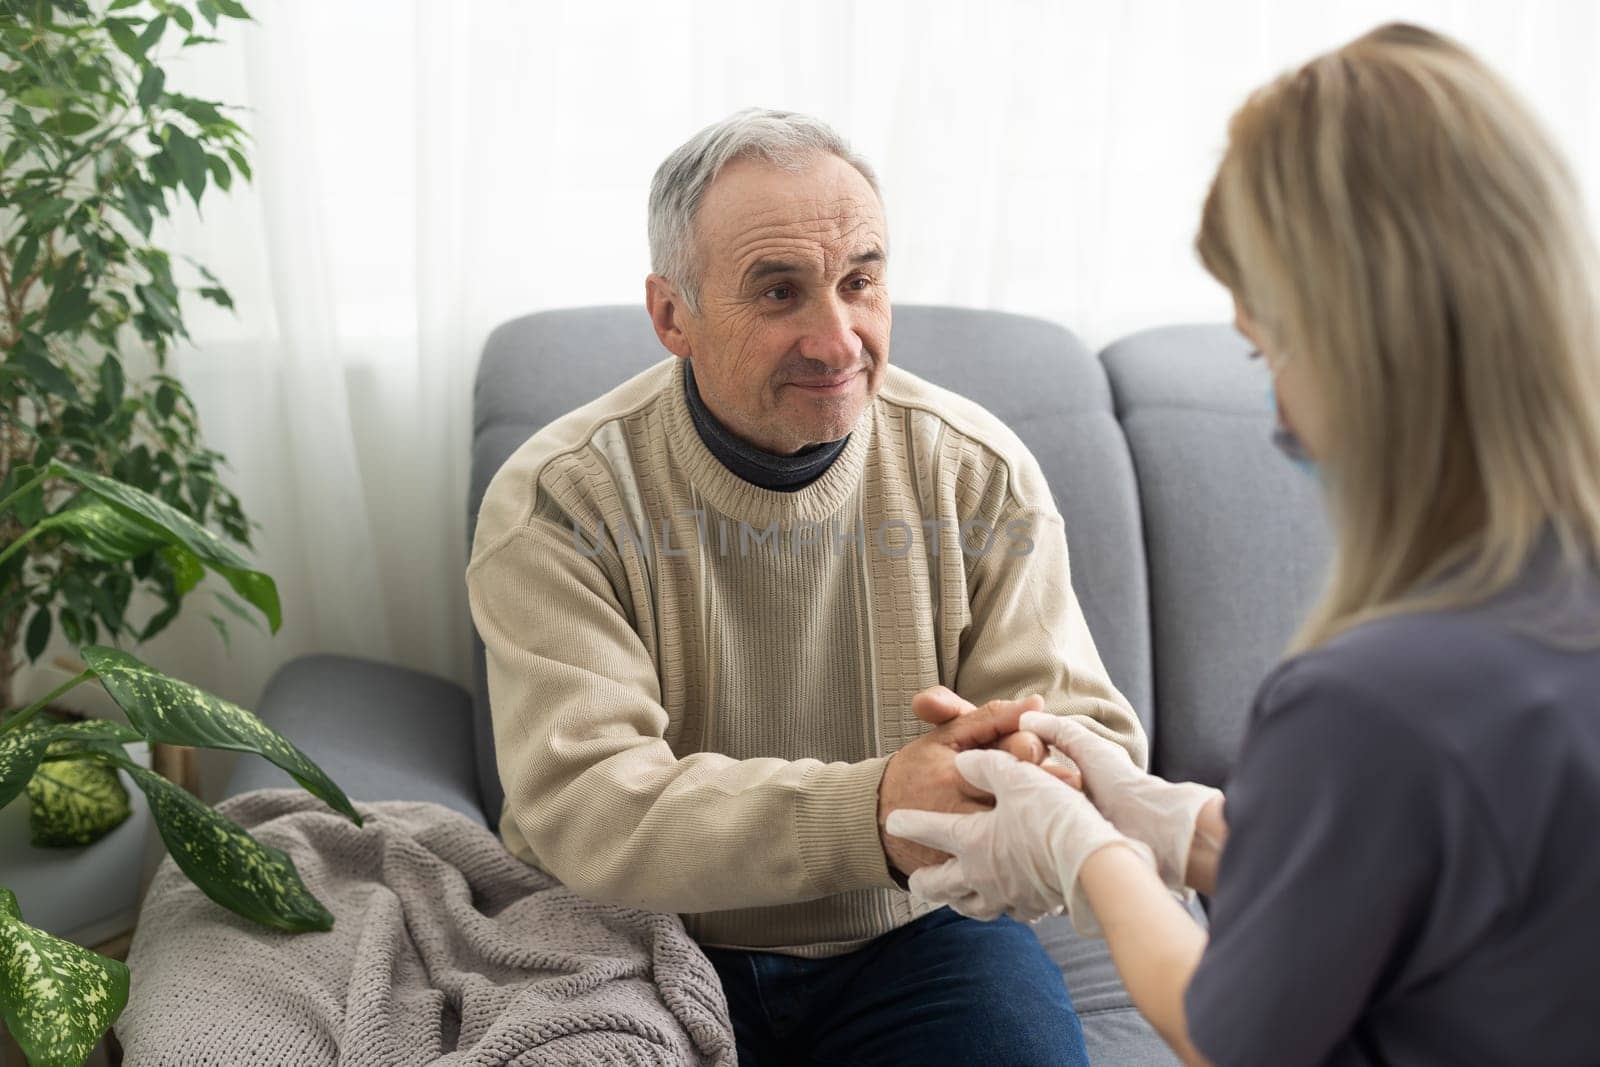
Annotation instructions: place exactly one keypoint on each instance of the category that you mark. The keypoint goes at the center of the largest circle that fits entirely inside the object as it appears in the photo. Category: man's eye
(865, 283)
(783, 291)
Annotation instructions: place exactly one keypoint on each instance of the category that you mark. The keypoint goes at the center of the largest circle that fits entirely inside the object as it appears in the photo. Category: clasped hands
(983, 817)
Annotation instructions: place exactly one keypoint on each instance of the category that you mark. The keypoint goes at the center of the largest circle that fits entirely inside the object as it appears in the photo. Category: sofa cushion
(1235, 534)
(381, 732)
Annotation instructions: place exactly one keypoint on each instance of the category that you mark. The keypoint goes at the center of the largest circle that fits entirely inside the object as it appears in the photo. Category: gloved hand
(1150, 809)
(1023, 857)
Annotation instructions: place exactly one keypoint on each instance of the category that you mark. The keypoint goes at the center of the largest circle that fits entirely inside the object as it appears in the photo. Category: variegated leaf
(242, 874)
(57, 998)
(173, 711)
(179, 529)
(20, 752)
(74, 802)
(21, 749)
(103, 532)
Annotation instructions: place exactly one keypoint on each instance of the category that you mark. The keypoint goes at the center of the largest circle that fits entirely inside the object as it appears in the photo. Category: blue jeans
(942, 989)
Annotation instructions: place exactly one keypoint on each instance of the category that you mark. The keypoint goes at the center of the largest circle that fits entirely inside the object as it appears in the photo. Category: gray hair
(783, 138)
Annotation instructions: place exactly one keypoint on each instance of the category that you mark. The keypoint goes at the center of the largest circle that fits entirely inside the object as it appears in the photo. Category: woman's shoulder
(1359, 684)
(1461, 686)
(1410, 662)
(1544, 622)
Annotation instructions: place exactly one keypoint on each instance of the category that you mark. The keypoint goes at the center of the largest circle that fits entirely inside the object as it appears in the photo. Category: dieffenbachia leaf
(74, 802)
(161, 523)
(102, 532)
(177, 713)
(57, 998)
(21, 749)
(20, 752)
(240, 873)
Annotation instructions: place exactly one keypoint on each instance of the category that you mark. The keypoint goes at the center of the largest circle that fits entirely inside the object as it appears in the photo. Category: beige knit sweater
(696, 682)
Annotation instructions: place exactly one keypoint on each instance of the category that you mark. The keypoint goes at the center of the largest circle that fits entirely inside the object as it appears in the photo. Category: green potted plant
(105, 484)
(56, 998)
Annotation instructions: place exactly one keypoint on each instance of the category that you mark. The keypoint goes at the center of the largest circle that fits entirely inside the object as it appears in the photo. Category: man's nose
(830, 337)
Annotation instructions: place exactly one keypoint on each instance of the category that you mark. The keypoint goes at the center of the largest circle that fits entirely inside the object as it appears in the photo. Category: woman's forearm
(1154, 942)
(1210, 835)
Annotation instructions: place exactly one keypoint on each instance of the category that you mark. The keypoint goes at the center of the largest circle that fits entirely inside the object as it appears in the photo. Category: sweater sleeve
(1027, 632)
(591, 783)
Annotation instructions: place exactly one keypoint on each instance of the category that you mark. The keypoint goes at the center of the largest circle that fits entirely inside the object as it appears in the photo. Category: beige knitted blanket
(445, 949)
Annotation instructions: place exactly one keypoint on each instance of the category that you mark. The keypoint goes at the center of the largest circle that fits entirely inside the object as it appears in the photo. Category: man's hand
(938, 704)
(923, 774)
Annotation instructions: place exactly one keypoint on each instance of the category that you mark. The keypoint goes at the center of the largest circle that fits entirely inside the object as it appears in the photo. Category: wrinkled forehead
(822, 219)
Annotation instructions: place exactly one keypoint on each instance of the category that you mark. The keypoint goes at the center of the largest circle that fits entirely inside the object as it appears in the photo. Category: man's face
(792, 336)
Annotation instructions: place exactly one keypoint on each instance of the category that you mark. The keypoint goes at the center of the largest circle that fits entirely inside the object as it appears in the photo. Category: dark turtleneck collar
(766, 469)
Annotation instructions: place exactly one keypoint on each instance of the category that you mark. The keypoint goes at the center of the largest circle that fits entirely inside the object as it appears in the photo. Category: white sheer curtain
(426, 171)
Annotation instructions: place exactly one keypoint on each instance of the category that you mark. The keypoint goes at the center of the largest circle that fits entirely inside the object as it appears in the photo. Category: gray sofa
(1194, 548)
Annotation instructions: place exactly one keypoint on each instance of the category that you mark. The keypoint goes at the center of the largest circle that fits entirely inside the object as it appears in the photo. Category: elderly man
(723, 603)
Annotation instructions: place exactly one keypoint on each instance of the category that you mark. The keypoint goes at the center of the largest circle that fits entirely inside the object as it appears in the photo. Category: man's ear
(667, 313)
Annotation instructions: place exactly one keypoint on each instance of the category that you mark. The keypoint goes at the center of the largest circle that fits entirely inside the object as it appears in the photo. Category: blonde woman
(1407, 869)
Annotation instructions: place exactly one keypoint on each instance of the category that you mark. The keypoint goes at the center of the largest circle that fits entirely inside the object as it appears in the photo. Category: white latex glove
(1150, 809)
(1023, 857)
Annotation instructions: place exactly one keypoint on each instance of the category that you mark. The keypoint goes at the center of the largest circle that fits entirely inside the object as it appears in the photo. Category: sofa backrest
(1033, 374)
(534, 369)
(1234, 533)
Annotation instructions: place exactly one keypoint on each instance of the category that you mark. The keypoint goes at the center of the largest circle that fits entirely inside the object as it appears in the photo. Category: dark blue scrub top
(1412, 873)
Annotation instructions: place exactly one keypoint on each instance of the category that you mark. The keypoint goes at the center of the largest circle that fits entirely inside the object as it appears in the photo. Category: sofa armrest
(381, 732)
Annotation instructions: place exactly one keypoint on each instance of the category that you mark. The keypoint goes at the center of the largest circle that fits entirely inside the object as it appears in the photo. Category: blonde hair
(1394, 216)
